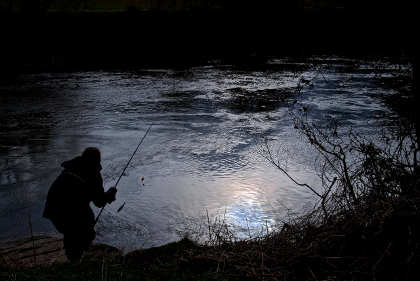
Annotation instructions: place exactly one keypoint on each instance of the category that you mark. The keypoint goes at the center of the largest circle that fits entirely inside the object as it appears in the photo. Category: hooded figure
(69, 197)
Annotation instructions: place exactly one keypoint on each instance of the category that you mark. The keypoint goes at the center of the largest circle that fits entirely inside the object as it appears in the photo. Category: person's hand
(111, 194)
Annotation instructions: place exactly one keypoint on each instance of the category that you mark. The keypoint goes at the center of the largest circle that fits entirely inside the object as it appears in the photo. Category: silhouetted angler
(69, 197)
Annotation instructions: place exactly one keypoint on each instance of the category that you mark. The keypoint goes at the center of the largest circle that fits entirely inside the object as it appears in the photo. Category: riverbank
(378, 240)
(42, 258)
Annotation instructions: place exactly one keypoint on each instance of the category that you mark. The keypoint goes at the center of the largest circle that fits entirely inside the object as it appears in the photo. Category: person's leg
(88, 237)
(76, 242)
(72, 247)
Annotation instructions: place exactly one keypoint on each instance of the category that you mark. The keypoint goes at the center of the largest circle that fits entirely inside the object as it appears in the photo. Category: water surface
(201, 155)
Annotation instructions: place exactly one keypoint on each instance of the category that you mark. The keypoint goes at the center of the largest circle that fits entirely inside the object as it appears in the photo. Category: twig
(249, 231)
(208, 223)
(103, 270)
(385, 253)
(32, 237)
(312, 273)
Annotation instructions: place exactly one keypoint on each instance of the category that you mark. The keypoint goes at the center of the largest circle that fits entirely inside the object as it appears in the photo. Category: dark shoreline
(58, 41)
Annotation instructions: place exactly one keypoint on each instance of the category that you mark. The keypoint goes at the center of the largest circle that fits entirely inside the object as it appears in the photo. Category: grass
(376, 241)
(169, 262)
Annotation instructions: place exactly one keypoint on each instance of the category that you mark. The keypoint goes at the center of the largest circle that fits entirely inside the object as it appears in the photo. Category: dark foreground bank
(42, 258)
(378, 240)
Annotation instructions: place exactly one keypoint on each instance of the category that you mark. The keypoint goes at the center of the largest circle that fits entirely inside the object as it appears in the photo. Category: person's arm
(100, 198)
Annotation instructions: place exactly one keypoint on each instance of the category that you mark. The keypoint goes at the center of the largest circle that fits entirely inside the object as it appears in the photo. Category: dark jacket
(70, 194)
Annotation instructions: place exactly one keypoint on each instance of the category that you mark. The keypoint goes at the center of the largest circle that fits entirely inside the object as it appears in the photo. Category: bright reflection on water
(201, 154)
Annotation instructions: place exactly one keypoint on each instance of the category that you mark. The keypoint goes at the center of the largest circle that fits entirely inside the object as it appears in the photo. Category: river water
(201, 158)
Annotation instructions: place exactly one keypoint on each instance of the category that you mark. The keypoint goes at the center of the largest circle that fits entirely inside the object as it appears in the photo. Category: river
(201, 157)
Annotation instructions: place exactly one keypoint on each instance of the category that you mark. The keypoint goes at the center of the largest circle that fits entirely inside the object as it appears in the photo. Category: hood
(79, 164)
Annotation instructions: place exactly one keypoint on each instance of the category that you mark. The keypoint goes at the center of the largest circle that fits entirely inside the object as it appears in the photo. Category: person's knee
(88, 238)
(59, 225)
(79, 240)
(74, 254)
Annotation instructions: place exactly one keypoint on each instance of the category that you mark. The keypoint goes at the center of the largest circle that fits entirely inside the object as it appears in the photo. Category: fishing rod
(125, 168)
